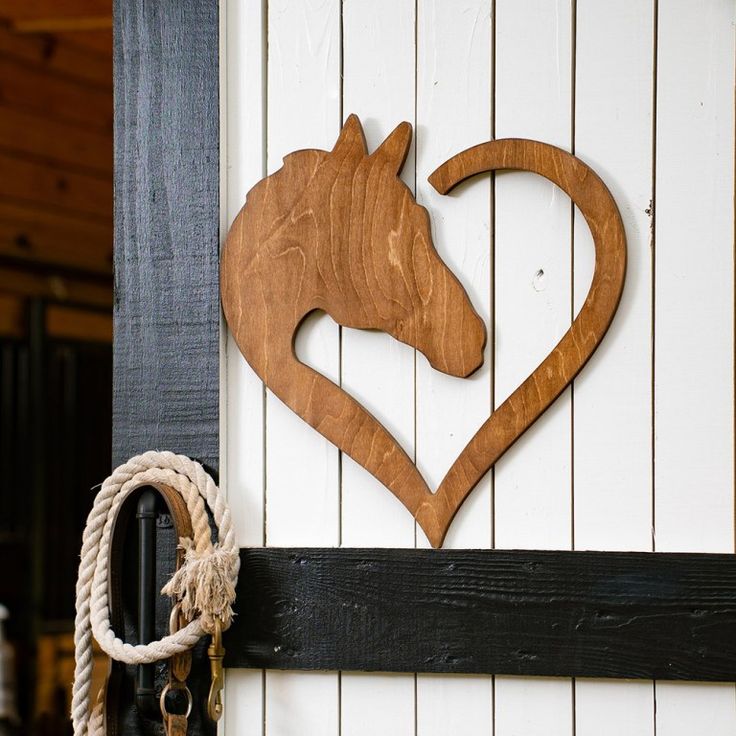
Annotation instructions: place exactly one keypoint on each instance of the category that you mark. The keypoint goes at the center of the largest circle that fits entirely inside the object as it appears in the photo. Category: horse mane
(287, 183)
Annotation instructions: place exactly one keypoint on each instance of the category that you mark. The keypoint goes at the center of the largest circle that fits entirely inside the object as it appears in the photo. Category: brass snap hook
(216, 652)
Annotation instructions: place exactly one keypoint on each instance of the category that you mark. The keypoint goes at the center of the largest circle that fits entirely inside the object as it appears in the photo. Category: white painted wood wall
(638, 455)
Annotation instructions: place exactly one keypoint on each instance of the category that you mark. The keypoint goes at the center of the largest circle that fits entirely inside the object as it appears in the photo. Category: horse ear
(395, 148)
(351, 141)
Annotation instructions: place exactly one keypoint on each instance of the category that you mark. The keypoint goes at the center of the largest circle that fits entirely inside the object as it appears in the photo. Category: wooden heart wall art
(338, 231)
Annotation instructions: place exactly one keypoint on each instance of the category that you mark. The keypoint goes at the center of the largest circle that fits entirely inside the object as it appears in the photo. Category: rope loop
(204, 585)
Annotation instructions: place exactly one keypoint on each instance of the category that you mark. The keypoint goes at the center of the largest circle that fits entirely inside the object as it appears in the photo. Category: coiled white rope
(205, 584)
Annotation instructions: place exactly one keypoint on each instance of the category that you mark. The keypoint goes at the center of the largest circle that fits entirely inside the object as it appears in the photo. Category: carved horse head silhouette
(338, 231)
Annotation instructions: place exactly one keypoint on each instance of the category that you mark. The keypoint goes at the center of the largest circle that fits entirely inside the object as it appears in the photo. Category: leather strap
(176, 726)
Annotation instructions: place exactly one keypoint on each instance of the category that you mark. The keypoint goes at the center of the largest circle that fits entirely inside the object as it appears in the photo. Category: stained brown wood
(55, 24)
(35, 234)
(338, 231)
(72, 323)
(21, 10)
(12, 316)
(58, 97)
(87, 195)
(60, 55)
(99, 42)
(58, 143)
(26, 283)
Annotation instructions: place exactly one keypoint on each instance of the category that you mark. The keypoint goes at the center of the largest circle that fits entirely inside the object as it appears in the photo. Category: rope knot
(204, 584)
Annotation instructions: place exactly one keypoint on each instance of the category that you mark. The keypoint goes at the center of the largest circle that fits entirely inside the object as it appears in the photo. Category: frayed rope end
(204, 585)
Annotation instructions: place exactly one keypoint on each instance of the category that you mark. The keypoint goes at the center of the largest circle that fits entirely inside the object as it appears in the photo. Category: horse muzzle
(457, 352)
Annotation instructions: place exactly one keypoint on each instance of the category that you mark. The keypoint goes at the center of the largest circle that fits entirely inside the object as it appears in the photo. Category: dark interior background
(55, 327)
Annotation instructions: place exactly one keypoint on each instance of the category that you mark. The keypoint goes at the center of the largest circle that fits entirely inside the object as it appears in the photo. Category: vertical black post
(145, 691)
(166, 343)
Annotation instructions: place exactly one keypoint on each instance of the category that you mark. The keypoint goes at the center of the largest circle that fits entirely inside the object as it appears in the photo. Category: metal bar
(145, 690)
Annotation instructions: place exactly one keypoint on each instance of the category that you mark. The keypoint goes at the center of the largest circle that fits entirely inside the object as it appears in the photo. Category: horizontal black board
(580, 614)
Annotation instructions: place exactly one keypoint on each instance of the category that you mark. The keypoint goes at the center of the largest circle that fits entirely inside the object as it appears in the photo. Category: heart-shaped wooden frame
(338, 231)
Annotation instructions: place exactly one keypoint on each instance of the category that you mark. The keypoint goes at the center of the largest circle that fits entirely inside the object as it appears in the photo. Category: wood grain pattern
(54, 287)
(517, 612)
(166, 391)
(166, 318)
(340, 232)
(35, 233)
(86, 195)
(31, 88)
(62, 144)
(71, 323)
(56, 54)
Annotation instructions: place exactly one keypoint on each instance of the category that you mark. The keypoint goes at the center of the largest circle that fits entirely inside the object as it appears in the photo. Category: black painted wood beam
(581, 614)
(167, 302)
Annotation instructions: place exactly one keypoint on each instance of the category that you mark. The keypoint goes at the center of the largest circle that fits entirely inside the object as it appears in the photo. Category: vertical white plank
(694, 319)
(245, 165)
(454, 704)
(694, 277)
(454, 112)
(378, 85)
(242, 466)
(614, 100)
(303, 112)
(302, 468)
(533, 262)
(533, 302)
(684, 709)
(614, 707)
(613, 397)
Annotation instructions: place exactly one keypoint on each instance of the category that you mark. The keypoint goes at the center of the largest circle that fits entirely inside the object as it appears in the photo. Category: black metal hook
(145, 686)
